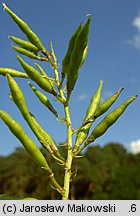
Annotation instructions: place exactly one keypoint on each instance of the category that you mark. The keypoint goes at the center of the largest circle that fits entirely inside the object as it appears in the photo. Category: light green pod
(41, 70)
(78, 54)
(108, 121)
(25, 44)
(66, 60)
(28, 144)
(84, 131)
(26, 52)
(44, 83)
(103, 107)
(44, 99)
(18, 98)
(12, 72)
(33, 38)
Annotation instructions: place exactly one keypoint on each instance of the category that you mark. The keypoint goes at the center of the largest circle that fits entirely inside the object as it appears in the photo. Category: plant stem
(67, 177)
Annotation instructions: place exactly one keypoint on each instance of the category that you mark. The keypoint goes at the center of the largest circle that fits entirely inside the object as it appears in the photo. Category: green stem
(67, 177)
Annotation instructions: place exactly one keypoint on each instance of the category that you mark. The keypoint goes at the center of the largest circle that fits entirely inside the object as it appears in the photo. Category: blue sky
(114, 56)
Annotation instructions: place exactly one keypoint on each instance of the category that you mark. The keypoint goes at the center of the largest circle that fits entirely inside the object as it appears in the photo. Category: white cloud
(135, 41)
(82, 97)
(135, 146)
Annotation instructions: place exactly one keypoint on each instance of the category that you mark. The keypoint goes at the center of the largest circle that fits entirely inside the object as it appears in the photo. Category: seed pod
(44, 83)
(108, 121)
(18, 98)
(26, 52)
(28, 144)
(25, 44)
(66, 60)
(44, 99)
(83, 133)
(41, 69)
(12, 72)
(81, 43)
(33, 38)
(103, 107)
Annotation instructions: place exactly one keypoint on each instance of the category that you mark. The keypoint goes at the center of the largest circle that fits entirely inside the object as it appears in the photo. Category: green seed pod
(83, 133)
(26, 52)
(28, 144)
(44, 83)
(12, 72)
(108, 121)
(18, 98)
(84, 56)
(33, 38)
(66, 60)
(44, 99)
(41, 69)
(81, 43)
(25, 44)
(103, 107)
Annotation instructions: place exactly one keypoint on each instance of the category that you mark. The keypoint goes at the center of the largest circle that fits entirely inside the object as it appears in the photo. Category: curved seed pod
(103, 107)
(28, 144)
(44, 99)
(26, 52)
(44, 83)
(17, 96)
(33, 38)
(81, 43)
(12, 72)
(83, 133)
(25, 44)
(66, 60)
(108, 121)
(41, 69)
(44, 138)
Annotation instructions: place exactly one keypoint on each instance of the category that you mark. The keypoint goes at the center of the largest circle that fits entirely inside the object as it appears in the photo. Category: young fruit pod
(25, 44)
(84, 131)
(28, 144)
(13, 73)
(103, 107)
(44, 83)
(41, 70)
(66, 60)
(80, 45)
(33, 38)
(43, 99)
(26, 52)
(108, 121)
(18, 98)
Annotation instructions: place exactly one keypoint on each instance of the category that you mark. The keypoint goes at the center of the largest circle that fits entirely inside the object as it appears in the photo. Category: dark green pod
(81, 43)
(103, 107)
(26, 52)
(66, 60)
(44, 99)
(44, 83)
(33, 38)
(28, 144)
(13, 73)
(108, 121)
(25, 44)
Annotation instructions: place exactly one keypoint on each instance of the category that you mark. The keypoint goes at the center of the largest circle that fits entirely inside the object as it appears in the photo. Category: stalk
(67, 177)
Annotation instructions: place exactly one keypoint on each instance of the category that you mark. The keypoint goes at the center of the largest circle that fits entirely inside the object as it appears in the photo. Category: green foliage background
(108, 172)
